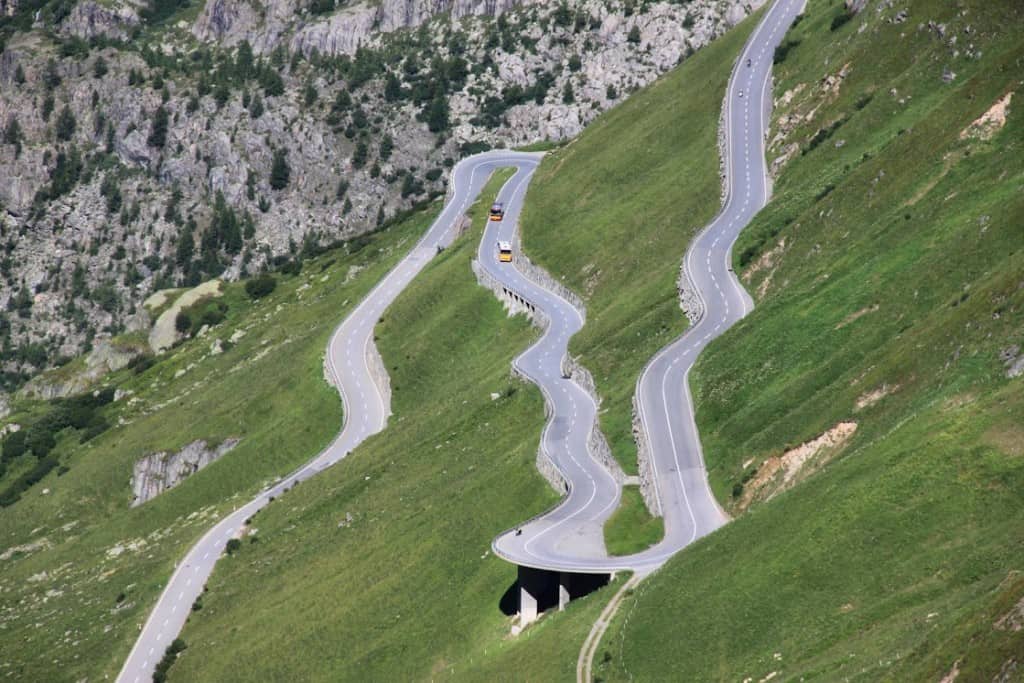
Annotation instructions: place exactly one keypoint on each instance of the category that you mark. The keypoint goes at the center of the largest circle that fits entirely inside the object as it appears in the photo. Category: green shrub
(211, 316)
(139, 364)
(840, 19)
(40, 439)
(13, 492)
(260, 286)
(782, 51)
(14, 446)
(98, 425)
(170, 655)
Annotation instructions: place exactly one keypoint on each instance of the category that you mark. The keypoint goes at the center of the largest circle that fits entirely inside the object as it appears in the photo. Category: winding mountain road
(569, 537)
(350, 359)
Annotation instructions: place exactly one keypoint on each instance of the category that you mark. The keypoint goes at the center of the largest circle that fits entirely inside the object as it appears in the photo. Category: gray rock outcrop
(157, 472)
(106, 356)
(82, 261)
(89, 19)
(855, 6)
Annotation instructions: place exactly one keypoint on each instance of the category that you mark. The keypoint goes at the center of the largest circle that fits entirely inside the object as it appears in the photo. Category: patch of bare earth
(592, 279)
(989, 123)
(1012, 620)
(953, 673)
(870, 398)
(800, 111)
(766, 262)
(1007, 437)
(856, 315)
(779, 473)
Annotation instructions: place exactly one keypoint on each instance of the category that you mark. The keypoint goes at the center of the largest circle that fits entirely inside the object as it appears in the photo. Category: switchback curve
(568, 537)
(352, 363)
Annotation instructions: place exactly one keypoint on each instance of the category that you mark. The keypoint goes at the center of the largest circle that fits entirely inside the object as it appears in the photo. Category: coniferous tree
(437, 113)
(359, 155)
(271, 83)
(342, 101)
(244, 65)
(47, 108)
(256, 107)
(51, 78)
(13, 135)
(158, 130)
(66, 124)
(186, 246)
(310, 95)
(568, 97)
(280, 172)
(392, 88)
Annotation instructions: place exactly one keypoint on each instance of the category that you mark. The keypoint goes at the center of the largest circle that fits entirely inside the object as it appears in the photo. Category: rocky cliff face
(105, 357)
(165, 162)
(359, 24)
(157, 472)
(89, 19)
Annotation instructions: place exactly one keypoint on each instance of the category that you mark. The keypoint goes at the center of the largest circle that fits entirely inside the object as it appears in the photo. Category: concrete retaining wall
(689, 299)
(597, 444)
(515, 305)
(543, 278)
(648, 487)
(380, 377)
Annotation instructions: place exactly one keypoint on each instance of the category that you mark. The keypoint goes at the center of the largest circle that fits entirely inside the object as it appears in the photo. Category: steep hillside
(144, 147)
(80, 566)
(380, 568)
(864, 422)
(611, 214)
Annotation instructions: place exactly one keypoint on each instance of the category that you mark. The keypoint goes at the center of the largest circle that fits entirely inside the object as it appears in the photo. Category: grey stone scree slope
(569, 537)
(353, 366)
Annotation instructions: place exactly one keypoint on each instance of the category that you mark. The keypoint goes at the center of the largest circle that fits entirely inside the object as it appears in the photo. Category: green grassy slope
(407, 589)
(71, 601)
(889, 265)
(611, 213)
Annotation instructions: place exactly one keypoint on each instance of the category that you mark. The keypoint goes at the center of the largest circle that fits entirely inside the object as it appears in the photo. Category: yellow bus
(497, 212)
(505, 252)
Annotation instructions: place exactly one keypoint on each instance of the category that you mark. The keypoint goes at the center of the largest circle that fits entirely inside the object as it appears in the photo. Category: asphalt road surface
(366, 412)
(569, 538)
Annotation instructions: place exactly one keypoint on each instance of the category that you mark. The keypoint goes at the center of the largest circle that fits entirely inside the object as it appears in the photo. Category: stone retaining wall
(597, 445)
(648, 487)
(380, 377)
